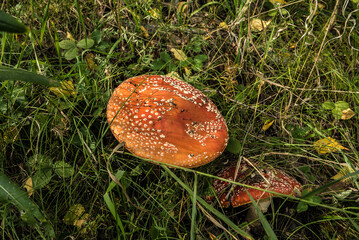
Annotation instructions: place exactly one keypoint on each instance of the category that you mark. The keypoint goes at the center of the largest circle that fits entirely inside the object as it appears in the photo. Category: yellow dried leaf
(179, 54)
(79, 222)
(66, 89)
(182, 8)
(144, 30)
(11, 134)
(277, 2)
(174, 74)
(292, 45)
(347, 114)
(267, 124)
(212, 236)
(344, 171)
(28, 186)
(321, 6)
(89, 58)
(327, 145)
(258, 25)
(75, 214)
(154, 12)
(69, 36)
(187, 70)
(223, 25)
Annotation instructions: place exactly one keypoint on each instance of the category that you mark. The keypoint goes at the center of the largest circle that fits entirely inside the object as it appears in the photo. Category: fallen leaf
(223, 25)
(66, 89)
(11, 134)
(187, 70)
(344, 171)
(292, 45)
(212, 236)
(144, 30)
(327, 145)
(179, 54)
(258, 25)
(154, 12)
(69, 36)
(75, 214)
(28, 187)
(174, 75)
(267, 124)
(182, 8)
(79, 222)
(277, 2)
(89, 58)
(347, 114)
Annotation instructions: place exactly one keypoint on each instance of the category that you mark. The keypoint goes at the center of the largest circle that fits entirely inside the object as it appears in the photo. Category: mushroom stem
(252, 214)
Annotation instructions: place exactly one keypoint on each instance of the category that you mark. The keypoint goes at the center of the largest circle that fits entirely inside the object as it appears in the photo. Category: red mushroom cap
(268, 180)
(166, 120)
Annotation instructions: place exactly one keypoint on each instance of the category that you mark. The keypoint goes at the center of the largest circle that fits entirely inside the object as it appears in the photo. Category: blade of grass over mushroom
(209, 207)
(7, 73)
(10, 192)
(268, 229)
(111, 205)
(10, 24)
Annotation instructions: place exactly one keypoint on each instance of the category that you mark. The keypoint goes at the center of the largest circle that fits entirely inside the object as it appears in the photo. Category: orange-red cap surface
(167, 120)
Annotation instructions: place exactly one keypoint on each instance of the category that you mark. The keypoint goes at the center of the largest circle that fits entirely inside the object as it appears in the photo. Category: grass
(306, 56)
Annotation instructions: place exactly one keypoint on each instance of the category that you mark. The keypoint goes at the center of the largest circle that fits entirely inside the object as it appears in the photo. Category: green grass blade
(209, 207)
(10, 24)
(267, 228)
(44, 20)
(10, 192)
(110, 204)
(7, 73)
(194, 209)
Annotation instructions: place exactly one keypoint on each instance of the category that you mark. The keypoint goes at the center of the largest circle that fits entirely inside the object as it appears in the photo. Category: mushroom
(268, 179)
(166, 120)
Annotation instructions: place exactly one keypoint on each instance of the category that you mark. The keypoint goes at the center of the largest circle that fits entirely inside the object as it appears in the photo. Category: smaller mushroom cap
(267, 179)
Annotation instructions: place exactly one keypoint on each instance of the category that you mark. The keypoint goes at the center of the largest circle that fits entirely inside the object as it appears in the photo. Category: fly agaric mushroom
(270, 179)
(166, 120)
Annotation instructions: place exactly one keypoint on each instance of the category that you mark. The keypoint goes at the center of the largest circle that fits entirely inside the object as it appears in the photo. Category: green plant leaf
(10, 24)
(96, 35)
(39, 160)
(158, 64)
(337, 113)
(302, 207)
(201, 58)
(63, 169)
(11, 193)
(7, 73)
(328, 105)
(67, 44)
(341, 105)
(71, 53)
(234, 146)
(86, 43)
(165, 57)
(42, 177)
